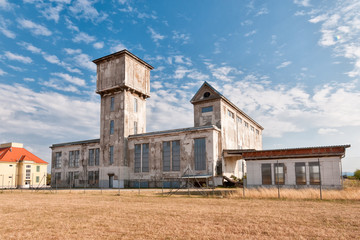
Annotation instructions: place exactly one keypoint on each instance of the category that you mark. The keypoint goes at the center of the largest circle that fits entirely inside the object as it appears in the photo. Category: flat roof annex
(76, 143)
(306, 152)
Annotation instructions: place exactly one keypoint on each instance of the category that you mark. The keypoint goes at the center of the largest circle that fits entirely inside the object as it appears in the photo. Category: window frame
(141, 157)
(58, 159)
(200, 154)
(111, 155)
(266, 179)
(299, 174)
(207, 109)
(135, 105)
(279, 181)
(173, 156)
(111, 127)
(112, 104)
(314, 180)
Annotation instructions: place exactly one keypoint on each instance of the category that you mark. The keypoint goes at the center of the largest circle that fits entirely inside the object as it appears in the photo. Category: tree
(357, 174)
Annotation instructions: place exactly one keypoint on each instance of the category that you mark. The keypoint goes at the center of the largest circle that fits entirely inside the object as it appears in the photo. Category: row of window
(112, 104)
(171, 156)
(300, 173)
(92, 176)
(74, 156)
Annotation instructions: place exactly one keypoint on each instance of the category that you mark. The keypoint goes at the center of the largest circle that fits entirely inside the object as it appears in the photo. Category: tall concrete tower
(123, 82)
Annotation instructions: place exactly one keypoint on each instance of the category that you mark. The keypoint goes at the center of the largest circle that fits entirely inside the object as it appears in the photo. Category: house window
(97, 156)
(10, 165)
(135, 105)
(239, 120)
(28, 166)
(231, 114)
(37, 179)
(91, 160)
(58, 160)
(257, 132)
(112, 104)
(246, 124)
(300, 173)
(135, 127)
(91, 177)
(76, 175)
(200, 154)
(171, 156)
(279, 173)
(314, 172)
(266, 173)
(252, 128)
(37, 168)
(111, 154)
(207, 109)
(28, 172)
(141, 157)
(111, 127)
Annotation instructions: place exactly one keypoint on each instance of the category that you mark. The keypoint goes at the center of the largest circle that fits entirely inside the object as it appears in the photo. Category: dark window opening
(266, 173)
(206, 94)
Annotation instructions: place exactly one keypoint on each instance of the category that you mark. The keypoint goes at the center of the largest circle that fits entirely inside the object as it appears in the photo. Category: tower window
(111, 154)
(135, 127)
(207, 109)
(206, 94)
(112, 104)
(111, 127)
(135, 105)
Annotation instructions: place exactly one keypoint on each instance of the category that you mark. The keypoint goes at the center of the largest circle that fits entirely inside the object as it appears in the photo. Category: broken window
(300, 173)
(141, 157)
(231, 114)
(207, 109)
(279, 173)
(112, 104)
(111, 127)
(200, 154)
(77, 156)
(135, 105)
(97, 156)
(266, 173)
(58, 160)
(91, 160)
(74, 158)
(314, 171)
(135, 127)
(111, 154)
(238, 119)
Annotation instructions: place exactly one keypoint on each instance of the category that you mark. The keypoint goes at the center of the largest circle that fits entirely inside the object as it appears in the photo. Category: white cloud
(304, 3)
(70, 25)
(4, 4)
(98, 45)
(72, 51)
(84, 37)
(117, 47)
(182, 60)
(329, 131)
(83, 60)
(85, 9)
(4, 28)
(248, 34)
(340, 31)
(284, 64)
(27, 79)
(2, 73)
(70, 79)
(181, 72)
(35, 28)
(262, 11)
(30, 47)
(197, 75)
(51, 59)
(155, 36)
(223, 73)
(17, 57)
(181, 37)
(52, 13)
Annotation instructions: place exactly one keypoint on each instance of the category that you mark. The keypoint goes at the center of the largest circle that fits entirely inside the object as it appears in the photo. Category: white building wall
(330, 171)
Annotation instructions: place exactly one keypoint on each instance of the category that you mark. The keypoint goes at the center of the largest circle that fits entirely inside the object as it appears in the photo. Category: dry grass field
(96, 215)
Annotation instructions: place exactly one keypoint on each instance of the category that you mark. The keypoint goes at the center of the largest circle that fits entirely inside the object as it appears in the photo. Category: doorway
(111, 181)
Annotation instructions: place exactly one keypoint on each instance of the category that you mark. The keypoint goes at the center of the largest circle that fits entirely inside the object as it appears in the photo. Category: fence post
(320, 179)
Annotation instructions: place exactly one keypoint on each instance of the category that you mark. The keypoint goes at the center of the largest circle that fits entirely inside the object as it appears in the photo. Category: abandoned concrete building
(128, 156)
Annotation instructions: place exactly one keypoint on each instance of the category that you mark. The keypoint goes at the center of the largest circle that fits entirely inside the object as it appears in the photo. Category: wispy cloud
(85, 9)
(329, 131)
(284, 64)
(98, 45)
(70, 79)
(117, 47)
(35, 28)
(81, 59)
(17, 57)
(155, 36)
(304, 3)
(181, 37)
(5, 5)
(248, 34)
(83, 37)
(4, 28)
(2, 72)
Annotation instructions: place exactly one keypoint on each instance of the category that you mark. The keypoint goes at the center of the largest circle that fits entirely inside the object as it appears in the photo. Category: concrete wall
(330, 168)
(82, 170)
(186, 138)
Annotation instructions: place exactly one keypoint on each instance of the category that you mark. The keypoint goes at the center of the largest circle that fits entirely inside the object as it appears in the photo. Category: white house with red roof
(19, 168)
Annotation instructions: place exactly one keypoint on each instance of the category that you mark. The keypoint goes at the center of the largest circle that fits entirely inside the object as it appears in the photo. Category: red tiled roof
(14, 154)
(251, 154)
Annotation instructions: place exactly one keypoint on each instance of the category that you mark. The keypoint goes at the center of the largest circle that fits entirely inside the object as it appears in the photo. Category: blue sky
(294, 66)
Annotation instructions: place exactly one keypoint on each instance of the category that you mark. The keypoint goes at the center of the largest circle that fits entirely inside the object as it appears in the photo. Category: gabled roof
(15, 154)
(306, 152)
(196, 98)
